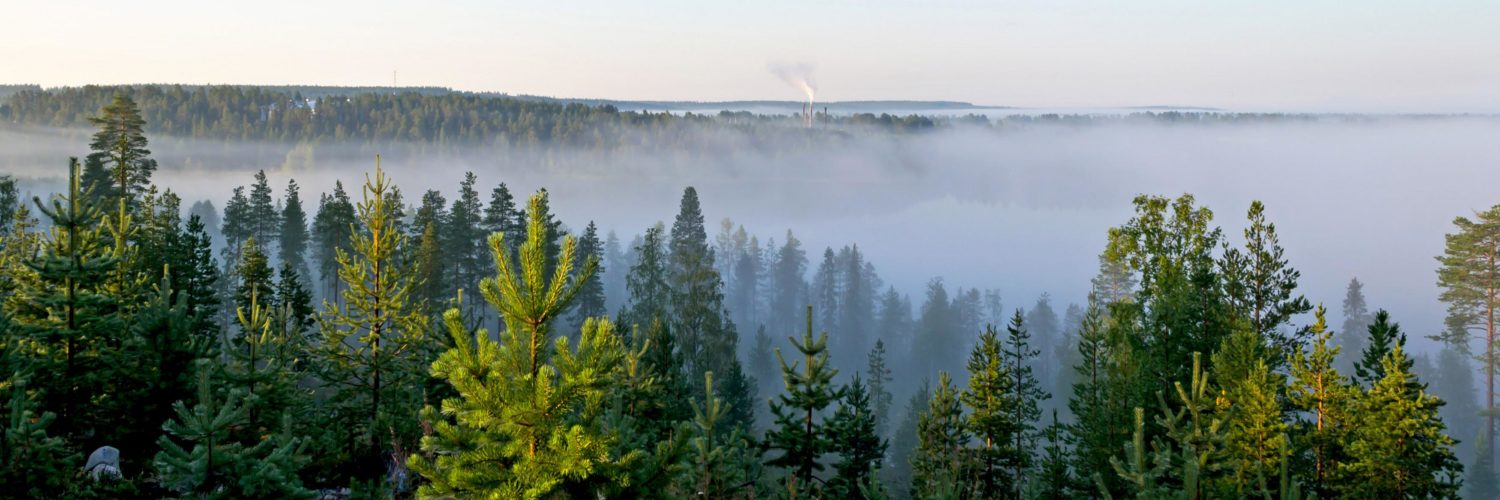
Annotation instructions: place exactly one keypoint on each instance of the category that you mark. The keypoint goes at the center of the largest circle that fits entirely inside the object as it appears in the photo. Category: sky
(1269, 55)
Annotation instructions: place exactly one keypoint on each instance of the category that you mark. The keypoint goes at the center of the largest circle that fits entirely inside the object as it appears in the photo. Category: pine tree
(372, 346)
(590, 303)
(1399, 447)
(464, 240)
(1469, 275)
(717, 463)
(854, 439)
(527, 423)
(800, 437)
(1384, 335)
(940, 465)
(1261, 286)
(880, 393)
(220, 466)
(292, 242)
(259, 363)
(264, 222)
(1323, 394)
(118, 169)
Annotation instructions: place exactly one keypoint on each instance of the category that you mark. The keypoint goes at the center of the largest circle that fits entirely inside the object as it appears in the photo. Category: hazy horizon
(1383, 57)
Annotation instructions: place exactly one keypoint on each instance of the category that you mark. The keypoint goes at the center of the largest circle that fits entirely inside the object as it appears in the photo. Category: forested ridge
(370, 342)
(449, 119)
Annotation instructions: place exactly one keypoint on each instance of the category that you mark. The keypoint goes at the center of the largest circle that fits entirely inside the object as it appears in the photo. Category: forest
(375, 343)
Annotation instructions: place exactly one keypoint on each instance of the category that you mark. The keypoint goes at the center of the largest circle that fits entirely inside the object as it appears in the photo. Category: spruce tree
(373, 345)
(1026, 394)
(1351, 338)
(1056, 481)
(855, 440)
(880, 393)
(1384, 336)
(650, 291)
(707, 339)
(590, 303)
(897, 476)
(502, 216)
(332, 231)
(800, 436)
(255, 276)
(788, 285)
(65, 308)
(1099, 423)
(1399, 447)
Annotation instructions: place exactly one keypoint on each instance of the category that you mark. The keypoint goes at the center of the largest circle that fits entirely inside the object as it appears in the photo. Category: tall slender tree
(292, 243)
(373, 345)
(590, 303)
(1351, 338)
(1469, 274)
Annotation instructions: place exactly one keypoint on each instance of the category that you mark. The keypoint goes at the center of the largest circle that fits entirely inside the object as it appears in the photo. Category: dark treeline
(448, 119)
(375, 343)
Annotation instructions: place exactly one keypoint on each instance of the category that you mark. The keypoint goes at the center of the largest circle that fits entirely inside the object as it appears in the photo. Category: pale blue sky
(1309, 55)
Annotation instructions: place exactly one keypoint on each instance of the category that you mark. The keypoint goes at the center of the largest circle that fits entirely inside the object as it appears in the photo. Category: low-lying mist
(1024, 210)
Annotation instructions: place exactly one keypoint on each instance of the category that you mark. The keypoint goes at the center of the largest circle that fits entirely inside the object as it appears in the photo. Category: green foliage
(219, 465)
(1262, 287)
(941, 462)
(65, 315)
(535, 409)
(373, 345)
(719, 464)
(1325, 397)
(800, 436)
(860, 449)
(32, 462)
(1399, 447)
(1384, 337)
(1255, 432)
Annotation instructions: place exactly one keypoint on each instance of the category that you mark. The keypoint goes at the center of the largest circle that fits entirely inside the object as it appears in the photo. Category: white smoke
(797, 74)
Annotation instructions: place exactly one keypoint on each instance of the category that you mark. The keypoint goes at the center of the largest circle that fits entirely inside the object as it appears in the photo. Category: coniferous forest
(370, 342)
